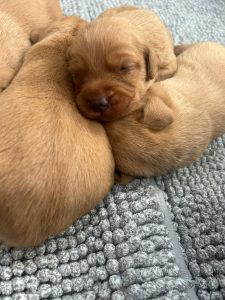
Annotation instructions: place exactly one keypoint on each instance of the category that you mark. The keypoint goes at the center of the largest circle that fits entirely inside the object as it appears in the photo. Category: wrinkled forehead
(104, 41)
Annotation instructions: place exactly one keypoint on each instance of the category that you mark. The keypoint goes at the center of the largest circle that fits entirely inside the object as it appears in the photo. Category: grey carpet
(197, 198)
(127, 247)
(120, 250)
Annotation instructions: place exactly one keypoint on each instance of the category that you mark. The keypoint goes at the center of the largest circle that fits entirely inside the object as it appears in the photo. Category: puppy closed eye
(127, 67)
(124, 68)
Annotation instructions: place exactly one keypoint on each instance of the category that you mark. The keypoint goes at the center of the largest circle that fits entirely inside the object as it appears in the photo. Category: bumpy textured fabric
(197, 198)
(127, 247)
(120, 250)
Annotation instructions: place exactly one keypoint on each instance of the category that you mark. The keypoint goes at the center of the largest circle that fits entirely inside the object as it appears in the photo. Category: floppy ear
(157, 114)
(151, 66)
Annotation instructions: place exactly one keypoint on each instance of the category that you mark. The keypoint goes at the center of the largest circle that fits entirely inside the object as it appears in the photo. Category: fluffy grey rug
(129, 246)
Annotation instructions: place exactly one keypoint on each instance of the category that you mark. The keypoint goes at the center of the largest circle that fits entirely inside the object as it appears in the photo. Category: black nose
(100, 104)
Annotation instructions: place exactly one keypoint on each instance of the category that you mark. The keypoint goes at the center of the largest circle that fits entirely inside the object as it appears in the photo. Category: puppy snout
(100, 105)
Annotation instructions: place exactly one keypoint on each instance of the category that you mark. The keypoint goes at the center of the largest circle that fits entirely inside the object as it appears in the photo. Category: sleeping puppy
(116, 58)
(17, 19)
(55, 165)
(180, 116)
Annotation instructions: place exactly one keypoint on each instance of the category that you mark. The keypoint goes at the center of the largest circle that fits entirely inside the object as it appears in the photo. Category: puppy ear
(157, 114)
(151, 66)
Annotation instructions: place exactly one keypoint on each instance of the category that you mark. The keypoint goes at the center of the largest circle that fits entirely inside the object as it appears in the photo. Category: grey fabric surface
(197, 198)
(127, 247)
(120, 250)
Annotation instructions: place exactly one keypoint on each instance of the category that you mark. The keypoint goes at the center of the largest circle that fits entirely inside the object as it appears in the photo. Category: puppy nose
(100, 105)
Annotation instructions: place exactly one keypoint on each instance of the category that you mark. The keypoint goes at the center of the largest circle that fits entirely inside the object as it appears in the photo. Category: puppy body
(181, 116)
(126, 49)
(17, 19)
(54, 164)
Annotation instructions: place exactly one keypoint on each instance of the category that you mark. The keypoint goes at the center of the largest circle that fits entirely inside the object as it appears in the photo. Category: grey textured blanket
(162, 239)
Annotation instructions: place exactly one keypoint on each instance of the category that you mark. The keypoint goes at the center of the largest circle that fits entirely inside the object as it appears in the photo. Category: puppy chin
(103, 117)
(86, 111)
(112, 113)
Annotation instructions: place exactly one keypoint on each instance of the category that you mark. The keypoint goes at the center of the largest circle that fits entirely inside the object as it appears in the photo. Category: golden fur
(180, 116)
(115, 58)
(17, 19)
(55, 165)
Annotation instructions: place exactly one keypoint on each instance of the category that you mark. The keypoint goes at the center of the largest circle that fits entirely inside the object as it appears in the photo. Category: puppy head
(64, 25)
(111, 69)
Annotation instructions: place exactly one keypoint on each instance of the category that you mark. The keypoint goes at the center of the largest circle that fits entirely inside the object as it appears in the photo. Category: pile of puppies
(92, 97)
